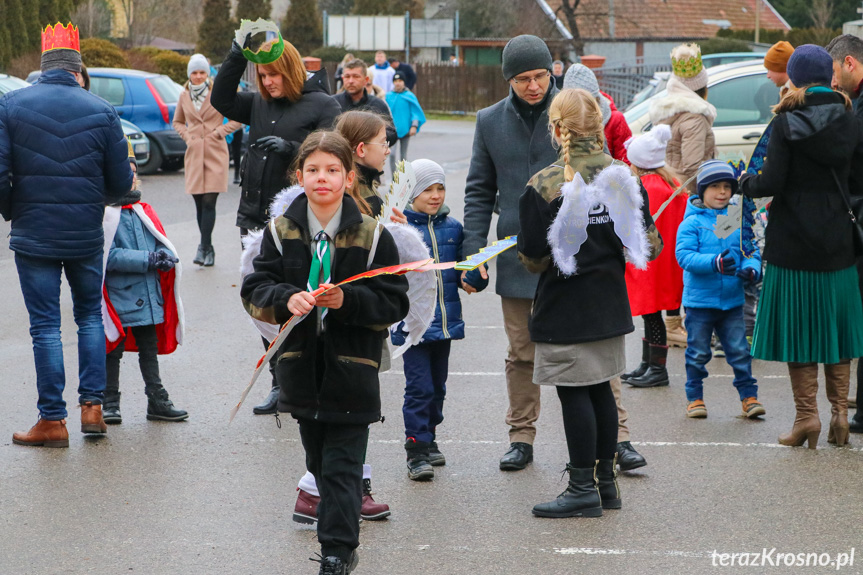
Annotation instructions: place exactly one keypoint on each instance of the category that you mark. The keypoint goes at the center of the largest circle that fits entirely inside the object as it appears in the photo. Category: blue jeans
(426, 370)
(728, 324)
(40, 284)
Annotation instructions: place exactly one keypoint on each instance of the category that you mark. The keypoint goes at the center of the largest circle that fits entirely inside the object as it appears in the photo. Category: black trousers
(147, 341)
(334, 455)
(589, 422)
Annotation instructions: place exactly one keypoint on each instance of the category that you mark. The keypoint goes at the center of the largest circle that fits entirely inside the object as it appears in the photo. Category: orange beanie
(777, 56)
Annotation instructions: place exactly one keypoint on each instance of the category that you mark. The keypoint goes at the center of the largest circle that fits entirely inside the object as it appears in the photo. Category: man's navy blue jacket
(62, 154)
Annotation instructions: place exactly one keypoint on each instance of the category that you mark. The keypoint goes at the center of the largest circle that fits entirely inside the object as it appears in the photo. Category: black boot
(855, 424)
(199, 256)
(642, 367)
(581, 498)
(517, 456)
(419, 467)
(111, 407)
(628, 458)
(656, 374)
(606, 482)
(160, 406)
(209, 256)
(333, 565)
(270, 404)
(436, 458)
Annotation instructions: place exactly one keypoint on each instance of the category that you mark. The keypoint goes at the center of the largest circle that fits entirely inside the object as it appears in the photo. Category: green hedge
(99, 53)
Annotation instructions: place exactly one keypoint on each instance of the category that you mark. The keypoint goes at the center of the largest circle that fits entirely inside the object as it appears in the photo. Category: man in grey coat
(511, 143)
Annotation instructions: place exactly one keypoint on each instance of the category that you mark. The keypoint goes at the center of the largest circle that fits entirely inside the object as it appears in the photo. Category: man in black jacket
(847, 54)
(356, 97)
(405, 70)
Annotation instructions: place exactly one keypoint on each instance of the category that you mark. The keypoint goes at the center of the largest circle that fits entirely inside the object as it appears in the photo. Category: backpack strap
(278, 242)
(374, 247)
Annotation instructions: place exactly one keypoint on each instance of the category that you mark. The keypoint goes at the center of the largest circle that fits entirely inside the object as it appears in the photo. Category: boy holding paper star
(714, 272)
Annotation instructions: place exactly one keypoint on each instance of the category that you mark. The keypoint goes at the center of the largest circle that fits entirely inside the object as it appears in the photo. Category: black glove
(162, 261)
(237, 49)
(750, 275)
(474, 279)
(274, 144)
(724, 264)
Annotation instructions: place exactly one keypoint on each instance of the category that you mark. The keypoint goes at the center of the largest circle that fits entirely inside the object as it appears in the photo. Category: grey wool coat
(505, 156)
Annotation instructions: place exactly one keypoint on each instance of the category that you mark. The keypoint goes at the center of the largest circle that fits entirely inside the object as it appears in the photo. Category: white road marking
(596, 551)
(502, 374)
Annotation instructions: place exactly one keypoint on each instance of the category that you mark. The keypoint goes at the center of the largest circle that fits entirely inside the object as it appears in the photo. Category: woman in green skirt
(810, 310)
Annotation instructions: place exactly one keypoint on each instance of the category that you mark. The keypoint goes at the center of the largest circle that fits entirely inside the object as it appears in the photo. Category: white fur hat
(198, 62)
(648, 150)
(686, 64)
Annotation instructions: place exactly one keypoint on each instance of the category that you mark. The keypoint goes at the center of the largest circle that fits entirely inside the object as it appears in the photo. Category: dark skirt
(806, 316)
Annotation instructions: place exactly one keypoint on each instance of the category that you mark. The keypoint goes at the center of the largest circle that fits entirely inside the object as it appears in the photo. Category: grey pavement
(206, 497)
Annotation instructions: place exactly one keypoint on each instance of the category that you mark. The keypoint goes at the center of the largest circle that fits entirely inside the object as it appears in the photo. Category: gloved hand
(162, 261)
(237, 49)
(724, 264)
(274, 144)
(750, 275)
(474, 279)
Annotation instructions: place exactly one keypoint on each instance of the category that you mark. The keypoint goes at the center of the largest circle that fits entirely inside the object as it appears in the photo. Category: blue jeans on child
(729, 327)
(40, 285)
(426, 368)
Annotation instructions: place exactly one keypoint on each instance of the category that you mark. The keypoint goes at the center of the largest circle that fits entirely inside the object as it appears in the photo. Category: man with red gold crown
(59, 166)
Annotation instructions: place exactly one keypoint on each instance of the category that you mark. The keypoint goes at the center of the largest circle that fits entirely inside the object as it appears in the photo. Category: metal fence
(622, 81)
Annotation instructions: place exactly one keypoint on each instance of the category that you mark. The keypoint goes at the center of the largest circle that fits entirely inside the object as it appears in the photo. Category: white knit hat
(687, 66)
(428, 173)
(648, 150)
(198, 62)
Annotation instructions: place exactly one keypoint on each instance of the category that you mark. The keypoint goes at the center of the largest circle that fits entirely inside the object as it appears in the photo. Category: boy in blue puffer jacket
(427, 363)
(714, 273)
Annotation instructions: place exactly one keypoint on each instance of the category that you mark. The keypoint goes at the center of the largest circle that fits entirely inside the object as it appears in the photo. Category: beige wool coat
(204, 132)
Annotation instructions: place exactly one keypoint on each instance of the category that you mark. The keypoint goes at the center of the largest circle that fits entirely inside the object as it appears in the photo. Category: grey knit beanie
(524, 53)
(580, 76)
(62, 58)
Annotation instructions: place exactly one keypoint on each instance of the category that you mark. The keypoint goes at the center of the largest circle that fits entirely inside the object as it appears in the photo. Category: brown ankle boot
(45, 433)
(91, 418)
(837, 378)
(807, 425)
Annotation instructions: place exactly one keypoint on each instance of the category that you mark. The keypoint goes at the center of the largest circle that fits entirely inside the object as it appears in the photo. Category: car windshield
(166, 88)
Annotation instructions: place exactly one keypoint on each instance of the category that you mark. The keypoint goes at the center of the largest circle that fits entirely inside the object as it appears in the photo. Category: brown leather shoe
(45, 433)
(91, 418)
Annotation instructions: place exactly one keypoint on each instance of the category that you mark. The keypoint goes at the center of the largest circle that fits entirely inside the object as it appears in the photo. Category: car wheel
(152, 165)
(172, 164)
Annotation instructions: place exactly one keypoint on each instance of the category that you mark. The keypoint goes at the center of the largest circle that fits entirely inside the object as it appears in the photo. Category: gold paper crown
(689, 65)
(60, 37)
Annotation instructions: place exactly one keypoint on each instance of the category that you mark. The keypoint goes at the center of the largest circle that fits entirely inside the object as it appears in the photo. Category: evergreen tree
(371, 7)
(415, 7)
(34, 28)
(216, 29)
(20, 40)
(302, 26)
(5, 37)
(254, 9)
(336, 6)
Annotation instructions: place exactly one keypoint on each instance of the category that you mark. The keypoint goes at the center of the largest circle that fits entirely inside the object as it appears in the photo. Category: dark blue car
(147, 100)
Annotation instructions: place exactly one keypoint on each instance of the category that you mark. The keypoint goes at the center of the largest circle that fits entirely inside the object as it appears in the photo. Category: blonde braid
(565, 136)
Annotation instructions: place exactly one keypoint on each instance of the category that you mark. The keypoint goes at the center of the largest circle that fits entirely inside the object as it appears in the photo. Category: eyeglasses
(384, 144)
(527, 81)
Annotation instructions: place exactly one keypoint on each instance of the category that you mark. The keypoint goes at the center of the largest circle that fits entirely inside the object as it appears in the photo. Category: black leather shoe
(199, 256)
(855, 424)
(517, 457)
(270, 404)
(628, 458)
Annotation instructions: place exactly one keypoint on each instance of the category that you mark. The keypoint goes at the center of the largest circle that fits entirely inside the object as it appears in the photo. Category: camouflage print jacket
(593, 304)
(342, 386)
(368, 180)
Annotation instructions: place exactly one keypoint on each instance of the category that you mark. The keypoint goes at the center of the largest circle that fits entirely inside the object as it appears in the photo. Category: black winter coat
(265, 174)
(369, 103)
(342, 386)
(809, 225)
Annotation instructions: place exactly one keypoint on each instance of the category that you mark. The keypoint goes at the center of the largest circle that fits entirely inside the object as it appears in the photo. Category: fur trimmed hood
(680, 99)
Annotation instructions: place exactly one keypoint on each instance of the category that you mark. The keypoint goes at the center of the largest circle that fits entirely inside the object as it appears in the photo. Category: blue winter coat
(444, 237)
(406, 110)
(135, 292)
(697, 248)
(62, 154)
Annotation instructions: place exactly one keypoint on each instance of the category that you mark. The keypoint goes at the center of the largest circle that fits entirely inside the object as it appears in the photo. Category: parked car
(743, 97)
(140, 143)
(148, 100)
(11, 83)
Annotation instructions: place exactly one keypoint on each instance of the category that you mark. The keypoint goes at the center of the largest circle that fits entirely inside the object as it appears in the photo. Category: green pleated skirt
(806, 316)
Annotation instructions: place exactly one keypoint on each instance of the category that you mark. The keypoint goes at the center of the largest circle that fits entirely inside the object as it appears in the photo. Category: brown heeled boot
(807, 425)
(837, 377)
(46, 433)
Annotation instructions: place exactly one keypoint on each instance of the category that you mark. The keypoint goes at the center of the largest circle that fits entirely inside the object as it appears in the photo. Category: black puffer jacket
(265, 174)
(810, 228)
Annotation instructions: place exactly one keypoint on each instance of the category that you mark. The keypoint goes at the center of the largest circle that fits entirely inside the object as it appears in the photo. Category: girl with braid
(581, 312)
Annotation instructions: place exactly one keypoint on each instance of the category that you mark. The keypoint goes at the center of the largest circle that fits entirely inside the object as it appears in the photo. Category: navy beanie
(713, 171)
(810, 64)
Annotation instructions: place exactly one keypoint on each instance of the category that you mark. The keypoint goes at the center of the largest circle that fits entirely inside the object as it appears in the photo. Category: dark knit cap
(810, 64)
(524, 53)
(61, 58)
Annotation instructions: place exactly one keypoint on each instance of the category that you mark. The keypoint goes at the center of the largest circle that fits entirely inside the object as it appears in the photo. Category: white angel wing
(568, 231)
(422, 287)
(283, 199)
(251, 249)
(620, 192)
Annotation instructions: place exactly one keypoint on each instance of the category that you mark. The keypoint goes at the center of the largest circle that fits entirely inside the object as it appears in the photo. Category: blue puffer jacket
(444, 236)
(697, 248)
(135, 292)
(62, 154)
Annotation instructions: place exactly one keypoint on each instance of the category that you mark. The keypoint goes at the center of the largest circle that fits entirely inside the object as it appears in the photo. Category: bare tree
(145, 19)
(569, 7)
(821, 13)
(93, 18)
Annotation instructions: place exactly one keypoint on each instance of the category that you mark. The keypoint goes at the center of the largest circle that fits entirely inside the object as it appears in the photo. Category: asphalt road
(206, 497)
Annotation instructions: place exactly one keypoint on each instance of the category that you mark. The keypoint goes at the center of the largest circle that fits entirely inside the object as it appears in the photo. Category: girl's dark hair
(702, 92)
(335, 144)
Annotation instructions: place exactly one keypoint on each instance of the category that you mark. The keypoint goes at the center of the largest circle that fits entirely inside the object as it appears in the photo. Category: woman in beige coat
(206, 164)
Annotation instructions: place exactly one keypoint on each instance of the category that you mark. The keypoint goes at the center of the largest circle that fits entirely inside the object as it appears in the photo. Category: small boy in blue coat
(427, 363)
(714, 273)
